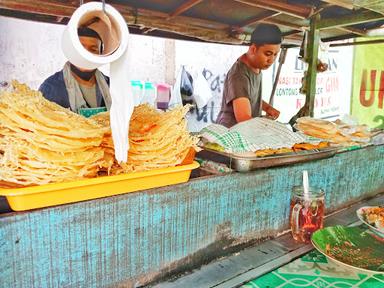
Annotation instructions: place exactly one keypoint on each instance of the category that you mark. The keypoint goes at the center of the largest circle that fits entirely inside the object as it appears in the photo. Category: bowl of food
(373, 217)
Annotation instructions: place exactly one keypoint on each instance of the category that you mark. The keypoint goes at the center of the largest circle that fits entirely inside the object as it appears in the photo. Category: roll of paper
(114, 33)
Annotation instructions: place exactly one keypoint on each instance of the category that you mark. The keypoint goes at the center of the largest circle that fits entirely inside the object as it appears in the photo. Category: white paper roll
(114, 33)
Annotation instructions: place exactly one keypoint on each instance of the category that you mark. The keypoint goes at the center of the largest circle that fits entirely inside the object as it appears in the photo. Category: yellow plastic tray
(27, 198)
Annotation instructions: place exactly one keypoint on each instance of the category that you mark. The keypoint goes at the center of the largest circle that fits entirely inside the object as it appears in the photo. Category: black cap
(88, 32)
(266, 34)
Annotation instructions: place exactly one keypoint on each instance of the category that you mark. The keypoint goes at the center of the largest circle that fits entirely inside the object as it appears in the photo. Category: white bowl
(361, 215)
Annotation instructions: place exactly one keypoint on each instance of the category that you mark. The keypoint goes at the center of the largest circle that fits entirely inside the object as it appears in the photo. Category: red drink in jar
(306, 213)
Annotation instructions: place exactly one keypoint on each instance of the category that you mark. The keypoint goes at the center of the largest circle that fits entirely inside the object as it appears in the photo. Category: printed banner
(329, 86)
(368, 84)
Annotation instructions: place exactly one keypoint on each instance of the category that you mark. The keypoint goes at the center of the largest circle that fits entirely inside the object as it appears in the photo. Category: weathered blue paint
(137, 237)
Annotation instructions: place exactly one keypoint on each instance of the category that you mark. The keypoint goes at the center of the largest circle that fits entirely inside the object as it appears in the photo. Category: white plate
(351, 267)
(360, 215)
(364, 244)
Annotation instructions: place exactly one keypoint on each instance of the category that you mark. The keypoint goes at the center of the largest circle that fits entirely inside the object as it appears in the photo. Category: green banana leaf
(353, 246)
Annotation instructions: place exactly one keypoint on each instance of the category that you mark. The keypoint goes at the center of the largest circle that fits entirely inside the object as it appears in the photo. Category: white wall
(31, 51)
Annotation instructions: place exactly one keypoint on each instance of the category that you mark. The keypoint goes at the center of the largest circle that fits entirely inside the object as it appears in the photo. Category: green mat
(314, 270)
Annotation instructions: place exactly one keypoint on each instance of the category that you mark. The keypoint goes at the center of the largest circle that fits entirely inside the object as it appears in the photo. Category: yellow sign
(368, 84)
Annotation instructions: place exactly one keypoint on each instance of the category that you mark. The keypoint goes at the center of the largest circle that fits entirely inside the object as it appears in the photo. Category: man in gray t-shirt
(242, 87)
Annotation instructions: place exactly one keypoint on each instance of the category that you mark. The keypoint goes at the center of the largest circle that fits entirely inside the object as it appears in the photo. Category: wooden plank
(184, 7)
(348, 4)
(137, 238)
(358, 17)
(374, 5)
(54, 8)
(263, 16)
(376, 41)
(193, 27)
(353, 30)
(283, 23)
(299, 11)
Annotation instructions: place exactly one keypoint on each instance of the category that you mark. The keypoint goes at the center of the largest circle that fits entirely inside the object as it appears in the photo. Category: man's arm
(242, 109)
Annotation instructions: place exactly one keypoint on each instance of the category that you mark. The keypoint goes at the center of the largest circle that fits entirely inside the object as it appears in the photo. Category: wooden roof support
(181, 9)
(192, 27)
(40, 7)
(355, 18)
(374, 5)
(66, 10)
(312, 55)
(283, 23)
(263, 16)
(299, 11)
(342, 3)
(292, 41)
(346, 29)
(292, 32)
(354, 31)
(206, 30)
(354, 43)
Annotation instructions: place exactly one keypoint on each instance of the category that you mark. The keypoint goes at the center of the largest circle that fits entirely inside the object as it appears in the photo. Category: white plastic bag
(175, 92)
(202, 93)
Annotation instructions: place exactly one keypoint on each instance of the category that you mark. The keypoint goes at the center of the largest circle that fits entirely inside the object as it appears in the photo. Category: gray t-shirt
(241, 81)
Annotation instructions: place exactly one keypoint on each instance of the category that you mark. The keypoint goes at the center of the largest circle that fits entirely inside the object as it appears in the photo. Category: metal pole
(103, 6)
(283, 54)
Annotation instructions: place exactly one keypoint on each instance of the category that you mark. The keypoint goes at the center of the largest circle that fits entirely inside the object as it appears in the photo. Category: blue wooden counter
(133, 239)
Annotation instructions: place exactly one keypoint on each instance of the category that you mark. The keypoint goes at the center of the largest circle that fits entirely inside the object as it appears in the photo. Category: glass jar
(306, 212)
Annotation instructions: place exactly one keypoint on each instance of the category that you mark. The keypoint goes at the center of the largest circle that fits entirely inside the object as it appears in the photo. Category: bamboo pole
(312, 55)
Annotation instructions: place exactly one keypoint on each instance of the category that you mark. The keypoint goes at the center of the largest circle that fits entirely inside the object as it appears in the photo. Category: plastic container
(137, 90)
(27, 198)
(163, 96)
(149, 94)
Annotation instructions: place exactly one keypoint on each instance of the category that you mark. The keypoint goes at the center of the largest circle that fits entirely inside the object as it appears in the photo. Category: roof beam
(354, 43)
(356, 18)
(40, 7)
(342, 3)
(283, 23)
(181, 9)
(198, 28)
(353, 30)
(261, 17)
(374, 5)
(292, 32)
(280, 6)
(66, 10)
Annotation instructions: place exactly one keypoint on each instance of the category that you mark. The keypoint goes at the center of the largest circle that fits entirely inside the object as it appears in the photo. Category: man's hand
(271, 112)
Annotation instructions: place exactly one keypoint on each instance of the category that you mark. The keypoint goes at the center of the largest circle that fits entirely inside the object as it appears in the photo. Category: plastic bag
(202, 93)
(175, 92)
(186, 85)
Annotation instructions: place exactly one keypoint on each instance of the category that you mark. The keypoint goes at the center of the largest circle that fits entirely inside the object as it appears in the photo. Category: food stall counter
(143, 237)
